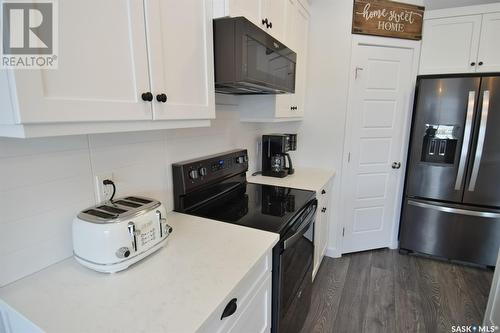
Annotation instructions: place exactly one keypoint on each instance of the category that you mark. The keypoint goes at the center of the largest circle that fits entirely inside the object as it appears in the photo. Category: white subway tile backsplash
(45, 182)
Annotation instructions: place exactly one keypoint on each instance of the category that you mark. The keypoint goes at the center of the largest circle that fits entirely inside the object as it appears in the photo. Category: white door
(379, 97)
(180, 42)
(489, 49)
(450, 45)
(492, 315)
(274, 11)
(103, 67)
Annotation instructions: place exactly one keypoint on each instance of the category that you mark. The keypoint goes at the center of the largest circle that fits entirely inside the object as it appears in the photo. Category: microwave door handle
(466, 140)
(300, 231)
(480, 140)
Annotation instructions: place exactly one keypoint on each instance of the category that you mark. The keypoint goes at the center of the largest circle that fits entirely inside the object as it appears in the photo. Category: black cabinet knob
(229, 309)
(473, 63)
(323, 192)
(265, 22)
(480, 63)
(323, 210)
(270, 25)
(161, 98)
(147, 97)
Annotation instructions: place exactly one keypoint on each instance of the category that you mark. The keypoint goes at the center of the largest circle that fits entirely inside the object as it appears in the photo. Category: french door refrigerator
(451, 206)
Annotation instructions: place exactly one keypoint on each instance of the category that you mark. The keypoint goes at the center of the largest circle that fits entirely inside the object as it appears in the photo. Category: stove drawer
(248, 306)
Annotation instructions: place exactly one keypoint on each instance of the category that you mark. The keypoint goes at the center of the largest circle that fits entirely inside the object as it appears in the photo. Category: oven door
(293, 260)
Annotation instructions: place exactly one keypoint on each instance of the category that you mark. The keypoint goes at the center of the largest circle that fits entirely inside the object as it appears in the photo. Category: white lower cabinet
(250, 302)
(321, 226)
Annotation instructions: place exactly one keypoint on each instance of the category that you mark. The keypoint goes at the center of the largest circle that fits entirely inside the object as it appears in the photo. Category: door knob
(161, 98)
(396, 165)
(147, 97)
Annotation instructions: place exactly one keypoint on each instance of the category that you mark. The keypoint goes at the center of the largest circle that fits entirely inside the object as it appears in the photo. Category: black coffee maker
(275, 157)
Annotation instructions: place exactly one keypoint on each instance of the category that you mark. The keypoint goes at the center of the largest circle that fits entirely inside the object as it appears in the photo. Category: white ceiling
(439, 4)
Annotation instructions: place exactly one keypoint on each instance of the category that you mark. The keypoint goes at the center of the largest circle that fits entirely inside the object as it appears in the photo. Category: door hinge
(343, 232)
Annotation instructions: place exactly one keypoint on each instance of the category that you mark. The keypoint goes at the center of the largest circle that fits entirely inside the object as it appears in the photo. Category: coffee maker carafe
(275, 157)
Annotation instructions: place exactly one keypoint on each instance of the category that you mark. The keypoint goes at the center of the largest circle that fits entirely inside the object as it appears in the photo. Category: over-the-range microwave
(250, 61)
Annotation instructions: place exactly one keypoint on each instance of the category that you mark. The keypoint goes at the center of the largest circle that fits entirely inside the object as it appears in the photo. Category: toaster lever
(132, 233)
(165, 229)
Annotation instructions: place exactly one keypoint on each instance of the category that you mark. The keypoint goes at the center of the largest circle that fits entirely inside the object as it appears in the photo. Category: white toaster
(112, 236)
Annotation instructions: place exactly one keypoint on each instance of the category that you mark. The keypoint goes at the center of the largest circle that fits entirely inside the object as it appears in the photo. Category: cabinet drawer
(244, 293)
(256, 317)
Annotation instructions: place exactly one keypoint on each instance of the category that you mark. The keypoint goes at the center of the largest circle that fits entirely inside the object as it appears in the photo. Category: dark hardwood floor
(384, 291)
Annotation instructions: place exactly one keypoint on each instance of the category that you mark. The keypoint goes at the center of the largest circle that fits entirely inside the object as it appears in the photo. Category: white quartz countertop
(311, 179)
(173, 290)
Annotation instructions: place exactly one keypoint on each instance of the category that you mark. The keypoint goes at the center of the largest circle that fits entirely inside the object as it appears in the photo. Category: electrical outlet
(103, 192)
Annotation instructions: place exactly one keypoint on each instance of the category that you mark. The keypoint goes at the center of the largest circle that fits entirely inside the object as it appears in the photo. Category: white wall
(45, 182)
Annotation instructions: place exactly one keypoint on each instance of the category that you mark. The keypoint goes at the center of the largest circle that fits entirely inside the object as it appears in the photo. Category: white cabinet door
(275, 11)
(321, 227)
(292, 105)
(103, 67)
(251, 9)
(302, 32)
(450, 45)
(489, 47)
(180, 41)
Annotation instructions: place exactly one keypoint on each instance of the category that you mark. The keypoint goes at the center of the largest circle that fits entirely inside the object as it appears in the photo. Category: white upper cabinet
(180, 37)
(449, 45)
(489, 47)
(461, 40)
(269, 15)
(103, 67)
(111, 53)
(274, 12)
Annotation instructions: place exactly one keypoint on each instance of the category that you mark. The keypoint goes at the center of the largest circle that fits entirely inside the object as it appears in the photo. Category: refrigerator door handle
(455, 210)
(480, 140)
(466, 140)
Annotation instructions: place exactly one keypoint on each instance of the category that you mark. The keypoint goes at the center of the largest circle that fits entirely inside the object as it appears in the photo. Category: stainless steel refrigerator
(451, 206)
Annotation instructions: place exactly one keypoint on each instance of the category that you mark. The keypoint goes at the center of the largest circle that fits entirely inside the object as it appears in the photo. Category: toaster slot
(111, 209)
(128, 203)
(139, 200)
(100, 214)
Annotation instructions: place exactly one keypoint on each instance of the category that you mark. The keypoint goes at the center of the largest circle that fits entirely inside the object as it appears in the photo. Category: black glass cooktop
(263, 207)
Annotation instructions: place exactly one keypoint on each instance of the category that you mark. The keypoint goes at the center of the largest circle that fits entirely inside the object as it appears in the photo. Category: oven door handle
(300, 231)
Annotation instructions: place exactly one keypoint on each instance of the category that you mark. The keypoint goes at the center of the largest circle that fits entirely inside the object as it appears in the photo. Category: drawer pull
(230, 308)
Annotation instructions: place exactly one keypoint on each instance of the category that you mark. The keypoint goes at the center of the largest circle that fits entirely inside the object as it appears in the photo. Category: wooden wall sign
(388, 19)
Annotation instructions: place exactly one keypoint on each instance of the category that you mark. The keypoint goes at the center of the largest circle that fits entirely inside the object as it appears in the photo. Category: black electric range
(215, 187)
(263, 207)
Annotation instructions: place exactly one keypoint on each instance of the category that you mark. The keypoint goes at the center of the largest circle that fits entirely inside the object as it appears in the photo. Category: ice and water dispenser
(440, 143)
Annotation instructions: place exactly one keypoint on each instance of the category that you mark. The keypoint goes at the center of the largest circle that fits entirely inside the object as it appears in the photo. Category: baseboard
(333, 252)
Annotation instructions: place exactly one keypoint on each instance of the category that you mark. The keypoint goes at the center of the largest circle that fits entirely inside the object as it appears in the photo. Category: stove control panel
(192, 174)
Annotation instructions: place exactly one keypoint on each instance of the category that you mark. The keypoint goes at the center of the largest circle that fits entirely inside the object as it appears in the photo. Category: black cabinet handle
(323, 192)
(229, 309)
(473, 63)
(270, 25)
(480, 63)
(161, 98)
(323, 210)
(147, 97)
(265, 22)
